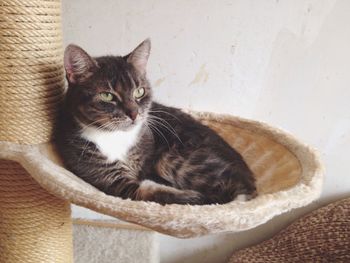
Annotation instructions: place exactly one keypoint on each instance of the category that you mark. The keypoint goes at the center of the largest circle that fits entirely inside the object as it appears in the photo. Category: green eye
(139, 93)
(106, 96)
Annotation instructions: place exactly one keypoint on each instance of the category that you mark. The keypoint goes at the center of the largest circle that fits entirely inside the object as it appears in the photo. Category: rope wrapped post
(35, 226)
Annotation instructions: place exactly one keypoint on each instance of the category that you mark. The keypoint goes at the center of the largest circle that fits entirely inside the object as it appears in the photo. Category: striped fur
(171, 158)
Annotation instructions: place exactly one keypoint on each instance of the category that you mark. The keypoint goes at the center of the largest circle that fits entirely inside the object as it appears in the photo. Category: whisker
(161, 111)
(151, 125)
(169, 128)
(84, 149)
(94, 122)
(106, 126)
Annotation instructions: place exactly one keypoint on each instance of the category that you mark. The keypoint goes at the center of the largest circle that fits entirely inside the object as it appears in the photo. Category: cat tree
(35, 226)
(36, 191)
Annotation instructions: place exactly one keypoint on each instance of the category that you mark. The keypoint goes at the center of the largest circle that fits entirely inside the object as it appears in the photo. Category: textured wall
(286, 62)
(104, 243)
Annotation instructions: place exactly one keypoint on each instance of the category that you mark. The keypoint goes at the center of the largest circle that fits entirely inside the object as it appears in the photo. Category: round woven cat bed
(34, 201)
(288, 175)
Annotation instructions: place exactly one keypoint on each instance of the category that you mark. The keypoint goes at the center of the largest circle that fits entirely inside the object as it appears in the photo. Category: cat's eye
(139, 93)
(106, 96)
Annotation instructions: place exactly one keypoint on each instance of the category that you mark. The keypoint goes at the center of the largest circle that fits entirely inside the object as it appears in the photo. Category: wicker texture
(35, 226)
(322, 236)
(31, 73)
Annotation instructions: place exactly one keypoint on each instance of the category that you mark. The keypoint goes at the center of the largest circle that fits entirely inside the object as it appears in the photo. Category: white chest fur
(114, 145)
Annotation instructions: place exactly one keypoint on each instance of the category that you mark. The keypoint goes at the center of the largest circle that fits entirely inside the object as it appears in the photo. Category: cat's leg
(163, 194)
(218, 180)
(148, 190)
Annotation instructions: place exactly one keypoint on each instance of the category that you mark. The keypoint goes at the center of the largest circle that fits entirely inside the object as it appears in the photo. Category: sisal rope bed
(35, 222)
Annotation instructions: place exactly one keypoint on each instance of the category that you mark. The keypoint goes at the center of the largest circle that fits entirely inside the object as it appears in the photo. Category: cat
(114, 136)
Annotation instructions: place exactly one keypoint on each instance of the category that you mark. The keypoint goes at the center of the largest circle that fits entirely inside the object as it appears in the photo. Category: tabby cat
(112, 135)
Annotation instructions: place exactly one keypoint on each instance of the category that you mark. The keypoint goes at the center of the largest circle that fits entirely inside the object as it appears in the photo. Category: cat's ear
(139, 56)
(78, 64)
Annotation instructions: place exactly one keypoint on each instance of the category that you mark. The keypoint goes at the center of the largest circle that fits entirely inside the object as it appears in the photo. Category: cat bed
(321, 236)
(288, 175)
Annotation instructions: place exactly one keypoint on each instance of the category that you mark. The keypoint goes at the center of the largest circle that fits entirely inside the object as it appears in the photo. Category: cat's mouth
(112, 124)
(124, 124)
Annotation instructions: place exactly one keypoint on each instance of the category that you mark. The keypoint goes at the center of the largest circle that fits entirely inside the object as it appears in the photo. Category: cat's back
(183, 129)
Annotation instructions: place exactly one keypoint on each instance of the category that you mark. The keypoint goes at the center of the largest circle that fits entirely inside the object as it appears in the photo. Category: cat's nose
(132, 114)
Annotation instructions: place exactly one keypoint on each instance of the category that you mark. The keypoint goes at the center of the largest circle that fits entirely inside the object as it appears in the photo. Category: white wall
(286, 62)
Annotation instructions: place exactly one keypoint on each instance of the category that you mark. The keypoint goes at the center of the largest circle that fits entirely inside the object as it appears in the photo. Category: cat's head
(110, 92)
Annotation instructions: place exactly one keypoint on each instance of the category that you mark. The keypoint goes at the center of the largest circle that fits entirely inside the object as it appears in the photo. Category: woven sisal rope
(35, 226)
(31, 74)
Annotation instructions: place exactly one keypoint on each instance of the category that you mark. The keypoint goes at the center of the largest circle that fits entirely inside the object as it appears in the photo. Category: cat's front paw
(191, 197)
(182, 197)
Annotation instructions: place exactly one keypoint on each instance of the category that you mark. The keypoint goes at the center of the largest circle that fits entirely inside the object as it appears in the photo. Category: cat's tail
(235, 186)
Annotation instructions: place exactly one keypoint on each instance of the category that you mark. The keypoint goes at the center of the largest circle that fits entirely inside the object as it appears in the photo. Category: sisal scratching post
(35, 226)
